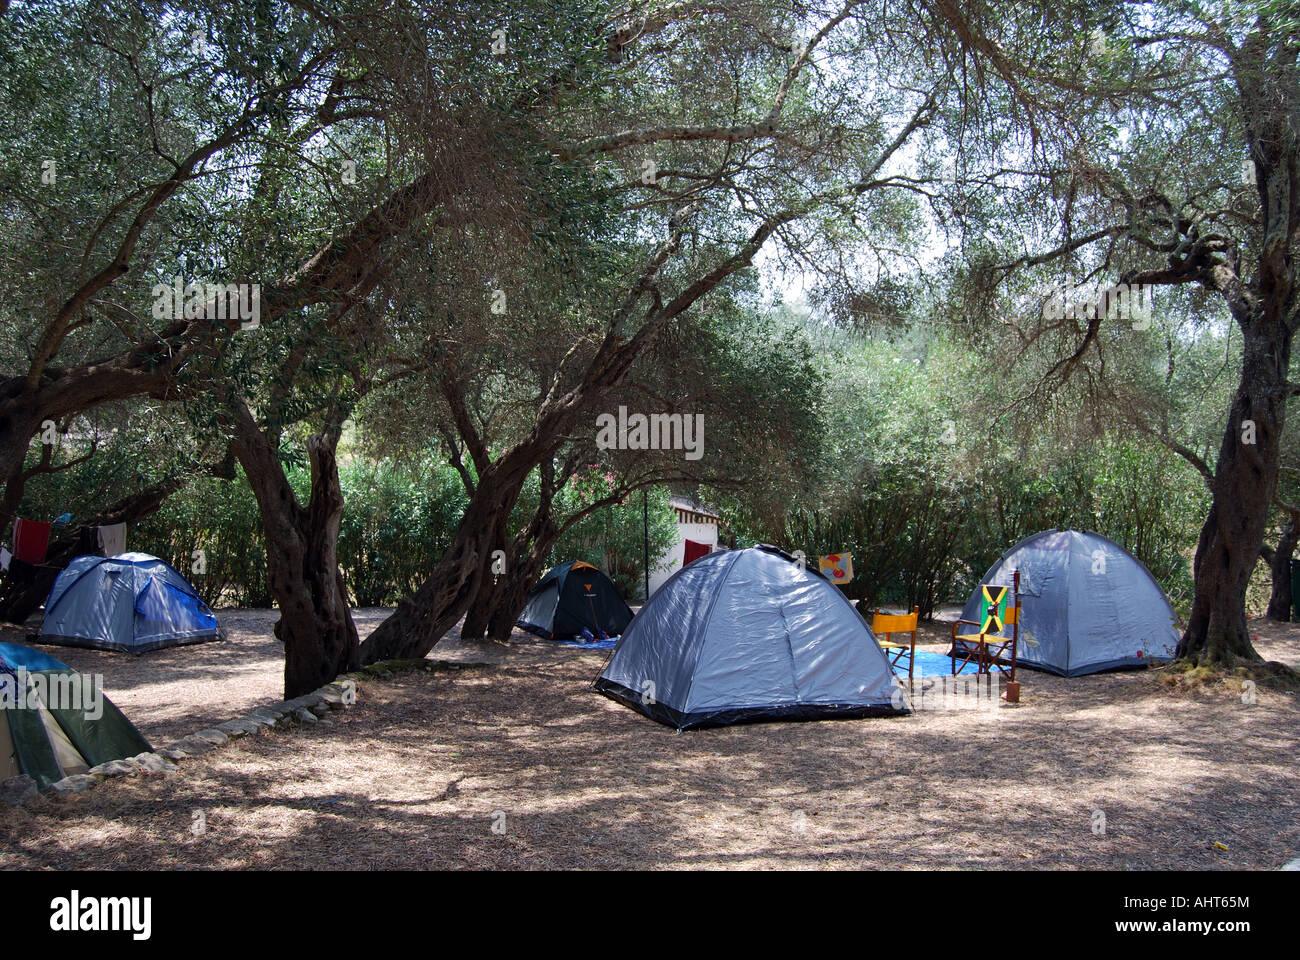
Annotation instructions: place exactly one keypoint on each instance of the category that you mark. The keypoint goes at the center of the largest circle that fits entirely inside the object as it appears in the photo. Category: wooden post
(645, 538)
(1013, 685)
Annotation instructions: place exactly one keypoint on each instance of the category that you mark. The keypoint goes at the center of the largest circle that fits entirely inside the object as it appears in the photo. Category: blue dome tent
(1087, 604)
(132, 603)
(748, 635)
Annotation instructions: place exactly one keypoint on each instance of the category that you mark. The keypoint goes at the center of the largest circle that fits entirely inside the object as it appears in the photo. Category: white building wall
(671, 562)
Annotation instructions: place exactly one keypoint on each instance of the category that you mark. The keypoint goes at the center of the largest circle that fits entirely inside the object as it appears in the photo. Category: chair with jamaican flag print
(989, 645)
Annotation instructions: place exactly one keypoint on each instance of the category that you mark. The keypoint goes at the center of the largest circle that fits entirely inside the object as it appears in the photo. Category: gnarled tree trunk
(484, 604)
(1245, 481)
(1279, 562)
(479, 614)
(1265, 307)
(500, 599)
(422, 619)
(512, 592)
(316, 626)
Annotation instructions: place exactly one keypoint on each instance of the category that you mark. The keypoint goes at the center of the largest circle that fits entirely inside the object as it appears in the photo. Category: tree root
(1192, 672)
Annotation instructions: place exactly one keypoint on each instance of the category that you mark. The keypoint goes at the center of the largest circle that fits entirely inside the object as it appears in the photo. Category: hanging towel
(112, 539)
(87, 541)
(836, 567)
(5, 557)
(694, 550)
(31, 540)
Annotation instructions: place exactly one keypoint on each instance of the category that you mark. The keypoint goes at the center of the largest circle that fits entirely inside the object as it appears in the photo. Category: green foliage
(926, 492)
(220, 518)
(397, 521)
(614, 538)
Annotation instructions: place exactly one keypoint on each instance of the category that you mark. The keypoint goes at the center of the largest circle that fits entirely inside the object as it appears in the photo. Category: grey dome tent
(748, 635)
(572, 597)
(55, 722)
(1087, 604)
(132, 602)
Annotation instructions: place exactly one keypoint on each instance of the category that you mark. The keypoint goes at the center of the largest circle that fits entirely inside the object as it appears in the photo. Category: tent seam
(704, 627)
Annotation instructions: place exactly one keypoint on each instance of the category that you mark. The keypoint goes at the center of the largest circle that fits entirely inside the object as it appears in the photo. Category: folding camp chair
(886, 625)
(988, 647)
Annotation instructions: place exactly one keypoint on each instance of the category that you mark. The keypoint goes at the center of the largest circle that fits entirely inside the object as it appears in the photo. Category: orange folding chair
(886, 625)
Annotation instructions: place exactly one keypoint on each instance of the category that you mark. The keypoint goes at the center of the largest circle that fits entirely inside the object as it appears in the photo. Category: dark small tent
(748, 635)
(55, 722)
(572, 597)
(132, 602)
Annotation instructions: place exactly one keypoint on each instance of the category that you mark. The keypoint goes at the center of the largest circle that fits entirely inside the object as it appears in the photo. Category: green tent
(55, 722)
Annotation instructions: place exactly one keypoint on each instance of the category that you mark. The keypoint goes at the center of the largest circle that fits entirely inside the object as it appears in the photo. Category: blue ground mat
(608, 644)
(933, 665)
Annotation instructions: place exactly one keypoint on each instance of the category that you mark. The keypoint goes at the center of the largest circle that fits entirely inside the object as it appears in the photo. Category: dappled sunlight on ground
(170, 693)
(420, 773)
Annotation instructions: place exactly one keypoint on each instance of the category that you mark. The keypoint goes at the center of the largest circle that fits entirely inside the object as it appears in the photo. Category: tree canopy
(929, 273)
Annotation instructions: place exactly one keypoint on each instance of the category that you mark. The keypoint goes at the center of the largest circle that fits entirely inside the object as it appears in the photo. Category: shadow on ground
(521, 765)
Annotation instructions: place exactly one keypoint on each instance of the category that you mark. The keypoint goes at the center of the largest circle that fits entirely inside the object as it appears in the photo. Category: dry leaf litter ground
(521, 765)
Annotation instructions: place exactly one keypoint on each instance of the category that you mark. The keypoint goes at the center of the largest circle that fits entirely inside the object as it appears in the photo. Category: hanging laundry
(5, 557)
(31, 540)
(837, 567)
(87, 541)
(112, 539)
(694, 550)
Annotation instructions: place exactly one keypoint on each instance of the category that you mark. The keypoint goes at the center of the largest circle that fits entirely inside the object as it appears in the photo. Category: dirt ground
(520, 765)
(170, 693)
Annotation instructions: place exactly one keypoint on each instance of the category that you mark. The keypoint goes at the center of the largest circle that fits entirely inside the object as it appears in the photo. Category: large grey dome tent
(132, 602)
(1087, 604)
(748, 635)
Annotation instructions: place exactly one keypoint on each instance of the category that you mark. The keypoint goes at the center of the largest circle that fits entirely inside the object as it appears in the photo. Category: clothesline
(30, 540)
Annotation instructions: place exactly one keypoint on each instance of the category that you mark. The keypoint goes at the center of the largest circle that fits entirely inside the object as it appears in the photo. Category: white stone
(77, 783)
(115, 768)
(241, 727)
(153, 763)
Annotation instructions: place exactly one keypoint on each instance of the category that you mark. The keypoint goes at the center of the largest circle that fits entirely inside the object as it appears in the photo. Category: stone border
(307, 709)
